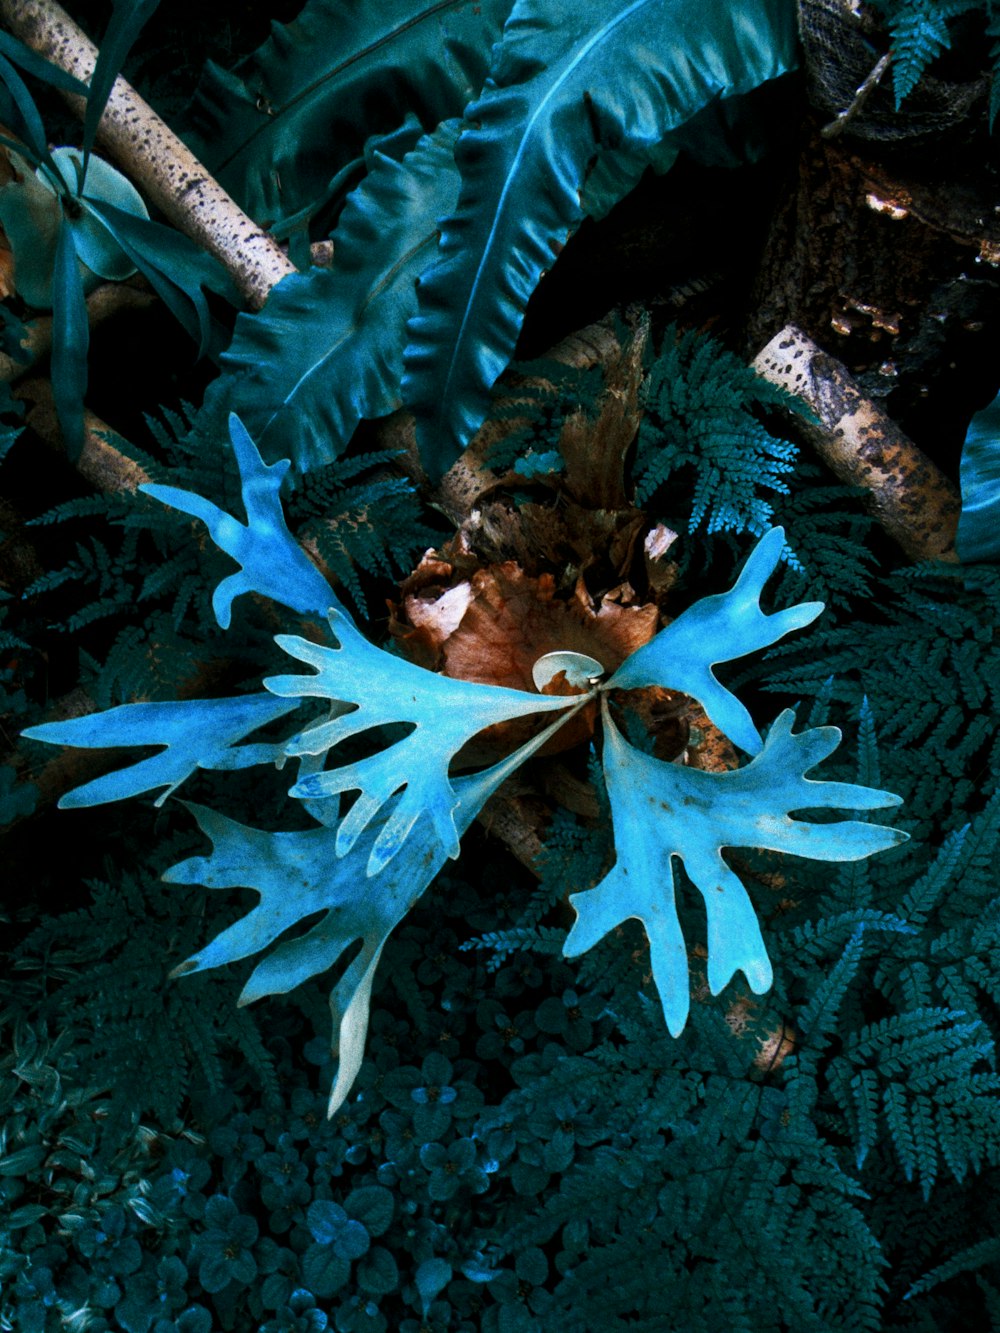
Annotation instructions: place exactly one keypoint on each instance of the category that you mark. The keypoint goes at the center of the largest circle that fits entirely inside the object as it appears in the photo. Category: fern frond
(700, 401)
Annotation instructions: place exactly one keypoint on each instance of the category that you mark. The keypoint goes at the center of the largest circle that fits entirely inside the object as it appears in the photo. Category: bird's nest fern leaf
(296, 112)
(555, 101)
(327, 348)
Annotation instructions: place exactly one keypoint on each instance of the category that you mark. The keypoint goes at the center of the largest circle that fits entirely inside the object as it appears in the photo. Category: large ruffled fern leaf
(327, 349)
(289, 117)
(568, 83)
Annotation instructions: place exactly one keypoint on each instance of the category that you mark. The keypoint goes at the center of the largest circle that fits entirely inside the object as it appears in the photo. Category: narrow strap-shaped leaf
(568, 81)
(34, 130)
(128, 19)
(327, 348)
(301, 107)
(70, 341)
(271, 560)
(718, 629)
(38, 67)
(31, 215)
(197, 733)
(178, 269)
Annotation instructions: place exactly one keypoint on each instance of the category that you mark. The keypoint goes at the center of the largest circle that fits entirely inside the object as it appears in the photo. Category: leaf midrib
(456, 360)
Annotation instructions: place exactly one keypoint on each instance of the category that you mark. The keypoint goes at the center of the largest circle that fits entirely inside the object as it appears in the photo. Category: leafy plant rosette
(364, 868)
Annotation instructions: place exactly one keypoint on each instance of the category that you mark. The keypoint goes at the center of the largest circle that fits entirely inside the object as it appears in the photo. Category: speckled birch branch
(910, 497)
(153, 156)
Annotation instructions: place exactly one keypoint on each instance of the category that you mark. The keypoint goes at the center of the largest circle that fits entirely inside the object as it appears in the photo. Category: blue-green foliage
(928, 663)
(921, 30)
(327, 349)
(362, 519)
(534, 1128)
(364, 869)
(552, 106)
(663, 812)
(439, 243)
(525, 1148)
(280, 130)
(71, 218)
(699, 399)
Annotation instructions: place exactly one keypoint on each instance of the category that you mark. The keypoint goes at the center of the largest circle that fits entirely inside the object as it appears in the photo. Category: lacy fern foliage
(699, 402)
(921, 31)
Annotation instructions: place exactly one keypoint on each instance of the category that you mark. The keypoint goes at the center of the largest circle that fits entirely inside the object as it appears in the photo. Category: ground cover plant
(694, 1028)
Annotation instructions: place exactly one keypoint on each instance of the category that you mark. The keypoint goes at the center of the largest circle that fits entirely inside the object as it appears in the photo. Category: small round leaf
(324, 1271)
(95, 245)
(377, 1273)
(372, 1206)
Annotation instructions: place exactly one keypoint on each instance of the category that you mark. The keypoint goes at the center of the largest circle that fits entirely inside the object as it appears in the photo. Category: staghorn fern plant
(363, 868)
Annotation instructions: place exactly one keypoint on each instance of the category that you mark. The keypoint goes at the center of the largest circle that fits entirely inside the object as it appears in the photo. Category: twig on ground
(102, 462)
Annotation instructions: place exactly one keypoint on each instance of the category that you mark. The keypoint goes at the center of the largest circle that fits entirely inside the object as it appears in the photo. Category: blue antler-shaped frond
(271, 561)
(662, 811)
(718, 629)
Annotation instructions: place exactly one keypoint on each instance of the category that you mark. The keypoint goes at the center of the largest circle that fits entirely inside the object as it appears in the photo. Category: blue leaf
(40, 68)
(31, 121)
(718, 629)
(443, 712)
(431, 1278)
(661, 811)
(33, 216)
(299, 874)
(177, 268)
(302, 106)
(198, 733)
(327, 348)
(126, 23)
(979, 523)
(95, 245)
(271, 561)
